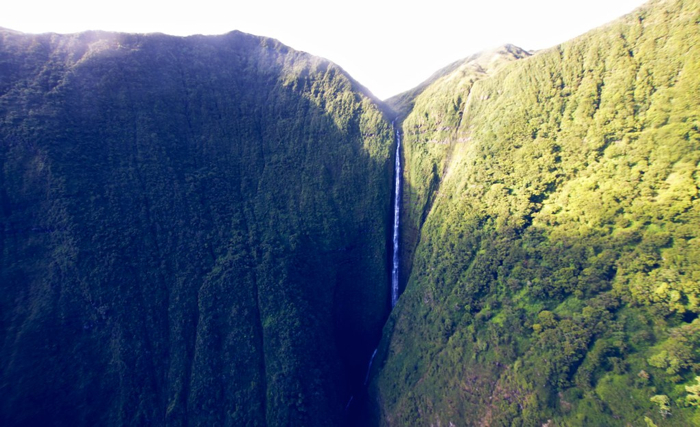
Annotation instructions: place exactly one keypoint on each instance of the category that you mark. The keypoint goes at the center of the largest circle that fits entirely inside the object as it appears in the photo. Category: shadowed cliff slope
(192, 231)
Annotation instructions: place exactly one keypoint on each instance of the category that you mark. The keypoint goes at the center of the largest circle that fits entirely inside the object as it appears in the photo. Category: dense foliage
(436, 109)
(557, 276)
(192, 231)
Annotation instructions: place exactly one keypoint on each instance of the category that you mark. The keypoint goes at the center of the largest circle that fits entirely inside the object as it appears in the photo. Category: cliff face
(556, 206)
(192, 231)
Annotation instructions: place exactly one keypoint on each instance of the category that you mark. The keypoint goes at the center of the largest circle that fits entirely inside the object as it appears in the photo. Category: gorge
(215, 230)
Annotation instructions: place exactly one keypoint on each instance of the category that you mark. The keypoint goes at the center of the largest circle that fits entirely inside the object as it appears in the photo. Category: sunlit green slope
(192, 231)
(557, 276)
(430, 114)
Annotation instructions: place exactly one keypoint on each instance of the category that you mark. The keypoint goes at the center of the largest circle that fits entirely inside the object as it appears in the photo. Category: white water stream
(397, 219)
(395, 253)
(369, 367)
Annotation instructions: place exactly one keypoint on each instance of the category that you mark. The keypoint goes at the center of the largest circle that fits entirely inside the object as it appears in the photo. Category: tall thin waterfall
(397, 219)
(395, 255)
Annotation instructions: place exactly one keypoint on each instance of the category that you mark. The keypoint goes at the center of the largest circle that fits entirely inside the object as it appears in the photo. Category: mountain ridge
(482, 62)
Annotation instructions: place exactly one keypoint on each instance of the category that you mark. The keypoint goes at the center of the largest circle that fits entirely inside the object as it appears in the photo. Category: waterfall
(395, 254)
(397, 219)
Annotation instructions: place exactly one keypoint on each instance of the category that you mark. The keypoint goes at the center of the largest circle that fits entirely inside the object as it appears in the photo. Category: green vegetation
(555, 202)
(192, 231)
(436, 109)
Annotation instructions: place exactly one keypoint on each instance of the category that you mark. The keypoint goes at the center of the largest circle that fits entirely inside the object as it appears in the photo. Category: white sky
(389, 46)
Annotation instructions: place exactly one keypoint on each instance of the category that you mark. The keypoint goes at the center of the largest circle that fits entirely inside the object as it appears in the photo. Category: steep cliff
(557, 276)
(193, 231)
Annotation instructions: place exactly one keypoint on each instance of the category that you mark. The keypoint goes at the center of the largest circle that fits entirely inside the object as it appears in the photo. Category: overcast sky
(387, 45)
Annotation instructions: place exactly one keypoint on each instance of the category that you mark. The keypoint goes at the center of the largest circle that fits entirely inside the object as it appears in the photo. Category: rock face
(556, 208)
(193, 231)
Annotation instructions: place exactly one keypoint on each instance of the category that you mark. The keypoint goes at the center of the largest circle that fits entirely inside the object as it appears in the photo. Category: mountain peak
(474, 66)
